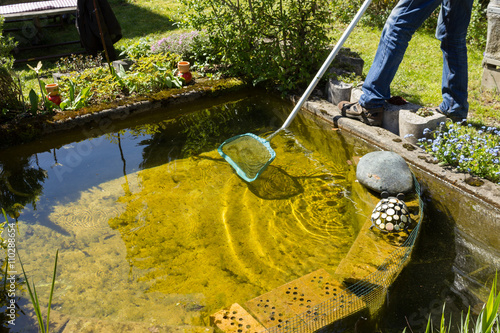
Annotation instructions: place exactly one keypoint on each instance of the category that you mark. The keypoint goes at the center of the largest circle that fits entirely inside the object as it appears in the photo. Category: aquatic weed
(469, 149)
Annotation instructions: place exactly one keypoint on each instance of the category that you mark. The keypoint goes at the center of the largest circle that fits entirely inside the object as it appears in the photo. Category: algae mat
(172, 244)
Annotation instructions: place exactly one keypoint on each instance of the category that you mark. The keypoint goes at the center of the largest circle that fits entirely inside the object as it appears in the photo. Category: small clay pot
(53, 93)
(52, 89)
(183, 66)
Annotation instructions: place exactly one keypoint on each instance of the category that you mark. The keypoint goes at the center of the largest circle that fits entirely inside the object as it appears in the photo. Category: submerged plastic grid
(248, 154)
(296, 306)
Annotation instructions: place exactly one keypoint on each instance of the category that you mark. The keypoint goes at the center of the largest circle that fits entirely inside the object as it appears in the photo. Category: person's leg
(405, 18)
(452, 27)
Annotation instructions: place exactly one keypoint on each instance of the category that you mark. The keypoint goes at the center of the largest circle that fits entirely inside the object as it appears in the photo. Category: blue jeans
(405, 19)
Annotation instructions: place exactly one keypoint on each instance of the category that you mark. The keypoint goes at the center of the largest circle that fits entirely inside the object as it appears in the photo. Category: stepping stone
(306, 304)
(236, 319)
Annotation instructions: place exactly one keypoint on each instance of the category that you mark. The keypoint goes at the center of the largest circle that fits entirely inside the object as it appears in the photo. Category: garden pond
(154, 227)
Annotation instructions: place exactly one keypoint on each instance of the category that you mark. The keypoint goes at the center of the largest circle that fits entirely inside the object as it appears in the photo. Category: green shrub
(140, 48)
(478, 25)
(78, 62)
(10, 92)
(280, 42)
(100, 81)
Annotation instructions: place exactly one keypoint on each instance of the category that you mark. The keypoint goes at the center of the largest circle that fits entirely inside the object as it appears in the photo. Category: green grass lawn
(418, 79)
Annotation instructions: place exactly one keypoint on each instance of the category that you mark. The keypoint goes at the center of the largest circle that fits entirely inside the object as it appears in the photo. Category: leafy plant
(270, 41)
(469, 149)
(75, 102)
(37, 72)
(34, 99)
(150, 73)
(489, 314)
(47, 104)
(77, 63)
(7, 44)
(100, 81)
(10, 91)
(488, 320)
(139, 48)
(34, 297)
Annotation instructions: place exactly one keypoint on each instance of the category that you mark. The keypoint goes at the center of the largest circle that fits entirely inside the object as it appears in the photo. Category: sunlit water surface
(153, 226)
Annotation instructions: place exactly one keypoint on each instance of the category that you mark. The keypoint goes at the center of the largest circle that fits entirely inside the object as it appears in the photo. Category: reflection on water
(154, 227)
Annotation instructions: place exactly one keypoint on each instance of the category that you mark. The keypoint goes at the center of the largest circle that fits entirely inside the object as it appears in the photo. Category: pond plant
(43, 327)
(488, 320)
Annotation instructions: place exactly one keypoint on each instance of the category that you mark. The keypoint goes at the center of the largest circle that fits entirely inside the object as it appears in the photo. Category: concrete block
(411, 125)
(338, 91)
(391, 115)
(125, 63)
(356, 94)
(491, 74)
(353, 64)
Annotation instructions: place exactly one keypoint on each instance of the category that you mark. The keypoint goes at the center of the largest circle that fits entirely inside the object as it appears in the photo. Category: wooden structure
(37, 9)
(36, 12)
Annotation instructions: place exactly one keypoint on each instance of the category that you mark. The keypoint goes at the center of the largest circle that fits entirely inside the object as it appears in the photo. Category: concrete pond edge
(415, 156)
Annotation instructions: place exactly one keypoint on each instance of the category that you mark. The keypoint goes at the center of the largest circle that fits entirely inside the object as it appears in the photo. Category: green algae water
(154, 228)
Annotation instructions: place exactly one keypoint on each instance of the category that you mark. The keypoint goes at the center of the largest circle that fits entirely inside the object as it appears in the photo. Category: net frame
(235, 165)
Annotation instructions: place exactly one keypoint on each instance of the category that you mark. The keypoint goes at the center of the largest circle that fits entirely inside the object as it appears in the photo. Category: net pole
(325, 66)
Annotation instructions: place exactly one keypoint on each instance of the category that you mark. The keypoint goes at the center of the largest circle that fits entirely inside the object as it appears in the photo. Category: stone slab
(491, 77)
(235, 319)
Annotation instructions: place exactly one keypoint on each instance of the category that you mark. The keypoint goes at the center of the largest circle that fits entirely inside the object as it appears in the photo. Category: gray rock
(385, 171)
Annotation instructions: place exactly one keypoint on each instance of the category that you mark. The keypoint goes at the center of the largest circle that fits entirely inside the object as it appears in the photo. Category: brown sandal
(372, 116)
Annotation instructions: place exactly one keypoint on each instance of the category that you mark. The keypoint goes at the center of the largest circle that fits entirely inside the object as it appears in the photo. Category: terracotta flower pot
(183, 66)
(52, 89)
(53, 93)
